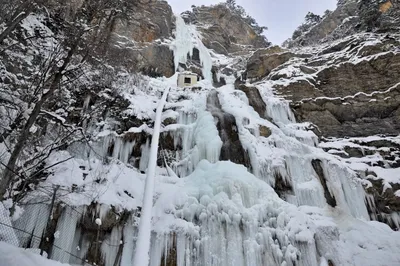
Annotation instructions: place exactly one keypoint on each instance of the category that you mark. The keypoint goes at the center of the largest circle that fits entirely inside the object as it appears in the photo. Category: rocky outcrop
(255, 99)
(377, 153)
(328, 25)
(263, 61)
(222, 30)
(153, 60)
(232, 149)
(317, 165)
(134, 41)
(350, 88)
(351, 17)
(149, 22)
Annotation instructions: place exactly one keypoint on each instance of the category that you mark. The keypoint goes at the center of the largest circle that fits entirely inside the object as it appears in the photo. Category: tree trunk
(13, 24)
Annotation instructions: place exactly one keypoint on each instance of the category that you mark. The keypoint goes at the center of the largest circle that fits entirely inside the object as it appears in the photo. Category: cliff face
(223, 30)
(348, 18)
(131, 34)
(136, 39)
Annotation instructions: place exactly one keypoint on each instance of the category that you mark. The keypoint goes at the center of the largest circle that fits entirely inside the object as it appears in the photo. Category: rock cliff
(223, 30)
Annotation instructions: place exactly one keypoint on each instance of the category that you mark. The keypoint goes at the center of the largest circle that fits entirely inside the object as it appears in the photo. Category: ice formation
(218, 213)
(187, 38)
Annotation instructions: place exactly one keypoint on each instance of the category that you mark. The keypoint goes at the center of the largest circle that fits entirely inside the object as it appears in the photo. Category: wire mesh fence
(37, 230)
(69, 234)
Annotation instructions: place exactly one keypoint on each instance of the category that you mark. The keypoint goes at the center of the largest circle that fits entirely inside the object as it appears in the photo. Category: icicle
(110, 246)
(129, 234)
(280, 111)
(144, 159)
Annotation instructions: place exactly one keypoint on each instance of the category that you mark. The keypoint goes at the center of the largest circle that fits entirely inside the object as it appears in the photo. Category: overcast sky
(280, 16)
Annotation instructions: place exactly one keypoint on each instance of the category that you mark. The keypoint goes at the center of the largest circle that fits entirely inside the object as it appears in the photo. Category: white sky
(280, 16)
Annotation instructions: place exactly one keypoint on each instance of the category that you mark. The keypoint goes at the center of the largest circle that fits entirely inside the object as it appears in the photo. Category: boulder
(263, 61)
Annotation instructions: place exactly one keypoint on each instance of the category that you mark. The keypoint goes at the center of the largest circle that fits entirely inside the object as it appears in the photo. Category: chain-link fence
(44, 232)
(68, 234)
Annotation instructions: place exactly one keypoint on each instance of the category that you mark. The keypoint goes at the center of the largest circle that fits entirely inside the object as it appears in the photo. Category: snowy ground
(13, 256)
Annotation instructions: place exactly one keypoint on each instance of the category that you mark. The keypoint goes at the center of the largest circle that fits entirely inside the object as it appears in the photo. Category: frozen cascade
(187, 38)
(110, 246)
(66, 226)
(116, 147)
(280, 111)
(219, 214)
(228, 217)
(199, 139)
(347, 190)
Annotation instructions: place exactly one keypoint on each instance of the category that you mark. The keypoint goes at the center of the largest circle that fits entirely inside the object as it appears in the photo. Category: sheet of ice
(187, 38)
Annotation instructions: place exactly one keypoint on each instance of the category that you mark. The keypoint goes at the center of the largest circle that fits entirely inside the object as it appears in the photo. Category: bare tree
(29, 106)
(17, 11)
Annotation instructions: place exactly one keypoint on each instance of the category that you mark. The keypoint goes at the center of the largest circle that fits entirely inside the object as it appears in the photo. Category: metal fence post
(53, 199)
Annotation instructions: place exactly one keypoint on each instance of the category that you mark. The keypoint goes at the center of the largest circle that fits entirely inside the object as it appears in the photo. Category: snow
(98, 221)
(370, 162)
(12, 256)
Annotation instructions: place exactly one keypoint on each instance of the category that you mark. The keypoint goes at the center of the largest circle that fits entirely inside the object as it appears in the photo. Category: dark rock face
(153, 60)
(232, 149)
(133, 41)
(264, 61)
(367, 76)
(222, 30)
(149, 21)
(347, 98)
(129, 34)
(320, 172)
(255, 99)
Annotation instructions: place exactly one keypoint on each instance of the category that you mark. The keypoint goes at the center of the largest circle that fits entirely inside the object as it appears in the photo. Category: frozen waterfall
(293, 205)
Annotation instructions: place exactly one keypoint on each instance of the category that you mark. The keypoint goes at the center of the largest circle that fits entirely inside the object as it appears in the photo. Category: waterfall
(187, 38)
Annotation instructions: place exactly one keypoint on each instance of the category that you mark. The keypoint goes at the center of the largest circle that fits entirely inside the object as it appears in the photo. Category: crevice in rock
(317, 165)
(282, 186)
(255, 100)
(232, 149)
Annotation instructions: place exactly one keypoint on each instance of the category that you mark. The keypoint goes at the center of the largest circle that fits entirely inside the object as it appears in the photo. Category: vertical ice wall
(187, 38)
(199, 139)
